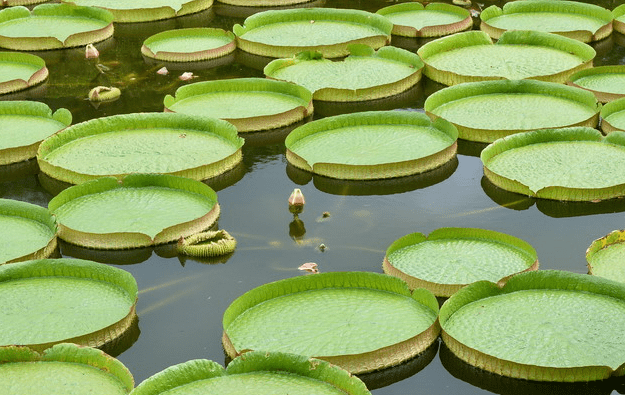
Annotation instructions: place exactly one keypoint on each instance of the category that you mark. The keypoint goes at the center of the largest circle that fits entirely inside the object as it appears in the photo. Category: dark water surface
(181, 301)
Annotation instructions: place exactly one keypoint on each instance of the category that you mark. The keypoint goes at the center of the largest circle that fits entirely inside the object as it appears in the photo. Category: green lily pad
(52, 26)
(284, 33)
(432, 20)
(576, 164)
(28, 231)
(146, 10)
(188, 146)
(613, 116)
(606, 82)
(580, 21)
(619, 18)
(250, 104)
(52, 301)
(66, 369)
(486, 111)
(263, 3)
(138, 211)
(606, 256)
(257, 372)
(359, 321)
(364, 75)
(188, 45)
(23, 125)
(472, 56)
(542, 325)
(450, 258)
(20, 71)
(372, 145)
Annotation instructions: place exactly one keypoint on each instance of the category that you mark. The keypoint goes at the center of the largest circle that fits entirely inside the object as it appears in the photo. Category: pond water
(181, 301)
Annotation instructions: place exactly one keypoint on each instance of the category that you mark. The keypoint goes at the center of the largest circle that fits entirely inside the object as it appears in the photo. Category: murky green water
(181, 301)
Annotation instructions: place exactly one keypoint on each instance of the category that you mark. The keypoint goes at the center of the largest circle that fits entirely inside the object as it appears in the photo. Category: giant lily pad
(433, 20)
(257, 372)
(284, 33)
(364, 75)
(51, 301)
(372, 145)
(613, 116)
(250, 104)
(23, 125)
(472, 56)
(563, 164)
(28, 231)
(359, 321)
(606, 82)
(138, 211)
(542, 325)
(263, 3)
(186, 45)
(619, 18)
(62, 369)
(606, 256)
(450, 258)
(486, 111)
(580, 21)
(11, 3)
(146, 10)
(193, 147)
(20, 71)
(51, 26)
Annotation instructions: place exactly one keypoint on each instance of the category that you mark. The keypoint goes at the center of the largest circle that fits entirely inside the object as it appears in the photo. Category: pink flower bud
(163, 71)
(91, 52)
(297, 198)
(186, 76)
(310, 267)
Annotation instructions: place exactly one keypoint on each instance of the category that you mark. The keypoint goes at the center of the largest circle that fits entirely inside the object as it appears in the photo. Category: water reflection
(122, 343)
(191, 66)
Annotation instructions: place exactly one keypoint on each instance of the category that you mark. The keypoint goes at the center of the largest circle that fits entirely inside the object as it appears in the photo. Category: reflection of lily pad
(146, 10)
(140, 210)
(193, 147)
(51, 26)
(385, 324)
(28, 231)
(486, 111)
(186, 45)
(20, 71)
(364, 75)
(606, 256)
(433, 20)
(372, 145)
(257, 372)
(450, 258)
(284, 33)
(472, 56)
(613, 116)
(606, 82)
(576, 164)
(50, 301)
(250, 104)
(580, 21)
(61, 369)
(538, 326)
(619, 18)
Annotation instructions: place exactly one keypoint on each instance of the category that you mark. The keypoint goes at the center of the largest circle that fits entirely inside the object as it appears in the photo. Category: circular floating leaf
(450, 258)
(62, 369)
(138, 211)
(372, 145)
(11, 3)
(51, 301)
(284, 33)
(28, 231)
(52, 26)
(250, 104)
(146, 10)
(606, 82)
(486, 111)
(472, 56)
(619, 18)
(542, 325)
(606, 256)
(20, 71)
(433, 20)
(263, 3)
(580, 21)
(613, 116)
(188, 146)
(359, 321)
(364, 75)
(562, 164)
(189, 45)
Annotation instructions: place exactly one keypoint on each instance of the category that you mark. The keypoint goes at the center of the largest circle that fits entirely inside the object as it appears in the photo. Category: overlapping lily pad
(188, 45)
(538, 326)
(166, 143)
(450, 258)
(284, 33)
(263, 3)
(372, 145)
(146, 10)
(613, 116)
(472, 56)
(606, 82)
(250, 104)
(606, 256)
(577, 164)
(138, 211)
(257, 372)
(580, 21)
(11, 3)
(52, 301)
(432, 20)
(52, 26)
(20, 71)
(486, 111)
(364, 75)
(62, 369)
(385, 325)
(619, 18)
